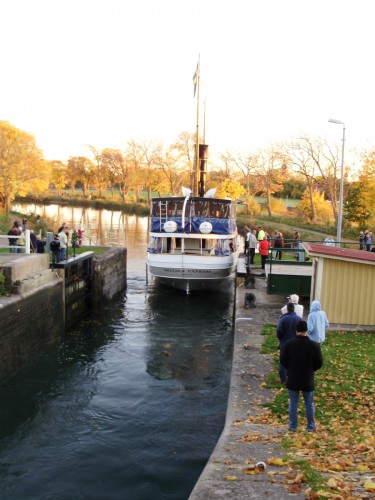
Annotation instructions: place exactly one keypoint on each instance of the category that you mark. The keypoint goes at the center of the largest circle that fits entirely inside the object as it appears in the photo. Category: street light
(339, 217)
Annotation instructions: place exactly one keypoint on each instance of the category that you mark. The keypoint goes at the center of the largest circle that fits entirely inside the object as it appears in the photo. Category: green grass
(344, 402)
(344, 381)
(82, 249)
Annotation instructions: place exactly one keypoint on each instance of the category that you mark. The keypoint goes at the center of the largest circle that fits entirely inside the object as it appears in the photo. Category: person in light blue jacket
(317, 323)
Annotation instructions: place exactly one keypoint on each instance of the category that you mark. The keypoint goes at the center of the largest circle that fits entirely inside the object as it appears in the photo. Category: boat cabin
(203, 226)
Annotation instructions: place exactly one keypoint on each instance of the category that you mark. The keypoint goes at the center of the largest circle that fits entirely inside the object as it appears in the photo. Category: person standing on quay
(329, 242)
(261, 233)
(317, 323)
(361, 240)
(301, 357)
(286, 330)
(246, 239)
(63, 238)
(264, 251)
(298, 308)
(55, 249)
(253, 244)
(13, 231)
(278, 244)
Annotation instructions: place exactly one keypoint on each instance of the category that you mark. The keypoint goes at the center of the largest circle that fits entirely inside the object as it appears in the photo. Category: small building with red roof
(343, 280)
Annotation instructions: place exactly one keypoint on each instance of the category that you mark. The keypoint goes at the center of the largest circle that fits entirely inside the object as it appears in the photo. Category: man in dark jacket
(286, 330)
(301, 357)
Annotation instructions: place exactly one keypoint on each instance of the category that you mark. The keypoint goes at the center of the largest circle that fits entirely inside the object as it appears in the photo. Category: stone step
(16, 267)
(34, 281)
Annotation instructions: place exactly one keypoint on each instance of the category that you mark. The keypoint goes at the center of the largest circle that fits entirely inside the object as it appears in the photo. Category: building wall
(346, 291)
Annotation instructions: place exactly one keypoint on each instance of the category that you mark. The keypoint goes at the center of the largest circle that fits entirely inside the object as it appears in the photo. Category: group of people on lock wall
(17, 244)
(61, 240)
(300, 355)
(259, 239)
(366, 241)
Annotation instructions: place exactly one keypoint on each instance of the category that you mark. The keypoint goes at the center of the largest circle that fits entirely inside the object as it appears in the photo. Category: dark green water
(129, 406)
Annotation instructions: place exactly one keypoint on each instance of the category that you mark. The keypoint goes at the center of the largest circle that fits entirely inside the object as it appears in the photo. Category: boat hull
(190, 273)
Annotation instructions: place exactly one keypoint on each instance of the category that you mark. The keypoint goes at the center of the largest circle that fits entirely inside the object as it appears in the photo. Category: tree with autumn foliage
(245, 163)
(58, 175)
(80, 169)
(355, 206)
(366, 183)
(118, 171)
(323, 211)
(23, 169)
(230, 188)
(270, 170)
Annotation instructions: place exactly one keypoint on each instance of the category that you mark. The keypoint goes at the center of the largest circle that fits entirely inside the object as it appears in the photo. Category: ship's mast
(196, 166)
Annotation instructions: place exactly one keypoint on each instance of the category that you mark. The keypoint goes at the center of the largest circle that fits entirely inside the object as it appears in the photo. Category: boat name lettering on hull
(192, 271)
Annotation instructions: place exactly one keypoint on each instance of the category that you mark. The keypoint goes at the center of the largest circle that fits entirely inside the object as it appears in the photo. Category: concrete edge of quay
(224, 475)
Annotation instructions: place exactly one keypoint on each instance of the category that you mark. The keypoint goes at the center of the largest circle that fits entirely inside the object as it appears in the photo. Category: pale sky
(80, 72)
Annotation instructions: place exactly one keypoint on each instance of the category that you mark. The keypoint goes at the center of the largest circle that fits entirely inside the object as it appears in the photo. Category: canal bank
(245, 439)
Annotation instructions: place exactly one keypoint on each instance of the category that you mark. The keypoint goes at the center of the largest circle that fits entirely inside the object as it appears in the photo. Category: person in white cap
(298, 308)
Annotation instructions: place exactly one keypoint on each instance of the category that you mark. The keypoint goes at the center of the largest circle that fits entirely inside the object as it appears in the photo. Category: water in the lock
(128, 406)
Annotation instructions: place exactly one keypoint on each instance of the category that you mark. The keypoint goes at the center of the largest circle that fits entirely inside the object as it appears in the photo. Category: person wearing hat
(40, 244)
(261, 234)
(301, 358)
(55, 249)
(294, 299)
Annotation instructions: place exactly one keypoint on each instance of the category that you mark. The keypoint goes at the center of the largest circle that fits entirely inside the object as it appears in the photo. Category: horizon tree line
(306, 168)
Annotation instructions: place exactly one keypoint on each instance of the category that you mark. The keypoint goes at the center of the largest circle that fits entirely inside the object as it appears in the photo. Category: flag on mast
(195, 78)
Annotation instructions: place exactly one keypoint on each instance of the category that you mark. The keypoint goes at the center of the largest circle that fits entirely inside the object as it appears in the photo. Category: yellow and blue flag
(195, 78)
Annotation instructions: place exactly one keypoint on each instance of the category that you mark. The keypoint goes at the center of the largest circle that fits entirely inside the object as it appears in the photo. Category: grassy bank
(96, 203)
(338, 461)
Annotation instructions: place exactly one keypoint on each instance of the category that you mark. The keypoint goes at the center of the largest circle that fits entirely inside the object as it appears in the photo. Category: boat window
(211, 208)
(174, 208)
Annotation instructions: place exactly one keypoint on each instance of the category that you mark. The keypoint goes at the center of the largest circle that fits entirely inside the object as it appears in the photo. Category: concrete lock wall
(29, 325)
(110, 275)
(45, 302)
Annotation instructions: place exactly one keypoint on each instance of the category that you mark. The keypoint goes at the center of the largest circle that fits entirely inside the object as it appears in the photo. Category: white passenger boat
(193, 239)
(193, 242)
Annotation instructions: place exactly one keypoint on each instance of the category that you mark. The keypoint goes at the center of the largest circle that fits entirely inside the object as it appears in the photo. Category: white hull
(192, 272)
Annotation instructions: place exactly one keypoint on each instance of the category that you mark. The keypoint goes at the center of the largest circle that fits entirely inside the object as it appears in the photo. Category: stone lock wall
(45, 302)
(110, 275)
(30, 324)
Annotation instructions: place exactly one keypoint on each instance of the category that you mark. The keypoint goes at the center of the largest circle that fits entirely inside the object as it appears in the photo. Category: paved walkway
(227, 474)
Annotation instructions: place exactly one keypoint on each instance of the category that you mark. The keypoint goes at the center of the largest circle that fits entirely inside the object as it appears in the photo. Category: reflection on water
(129, 405)
(101, 227)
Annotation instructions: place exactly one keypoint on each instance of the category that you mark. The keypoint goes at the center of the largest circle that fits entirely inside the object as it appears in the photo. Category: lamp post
(339, 216)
